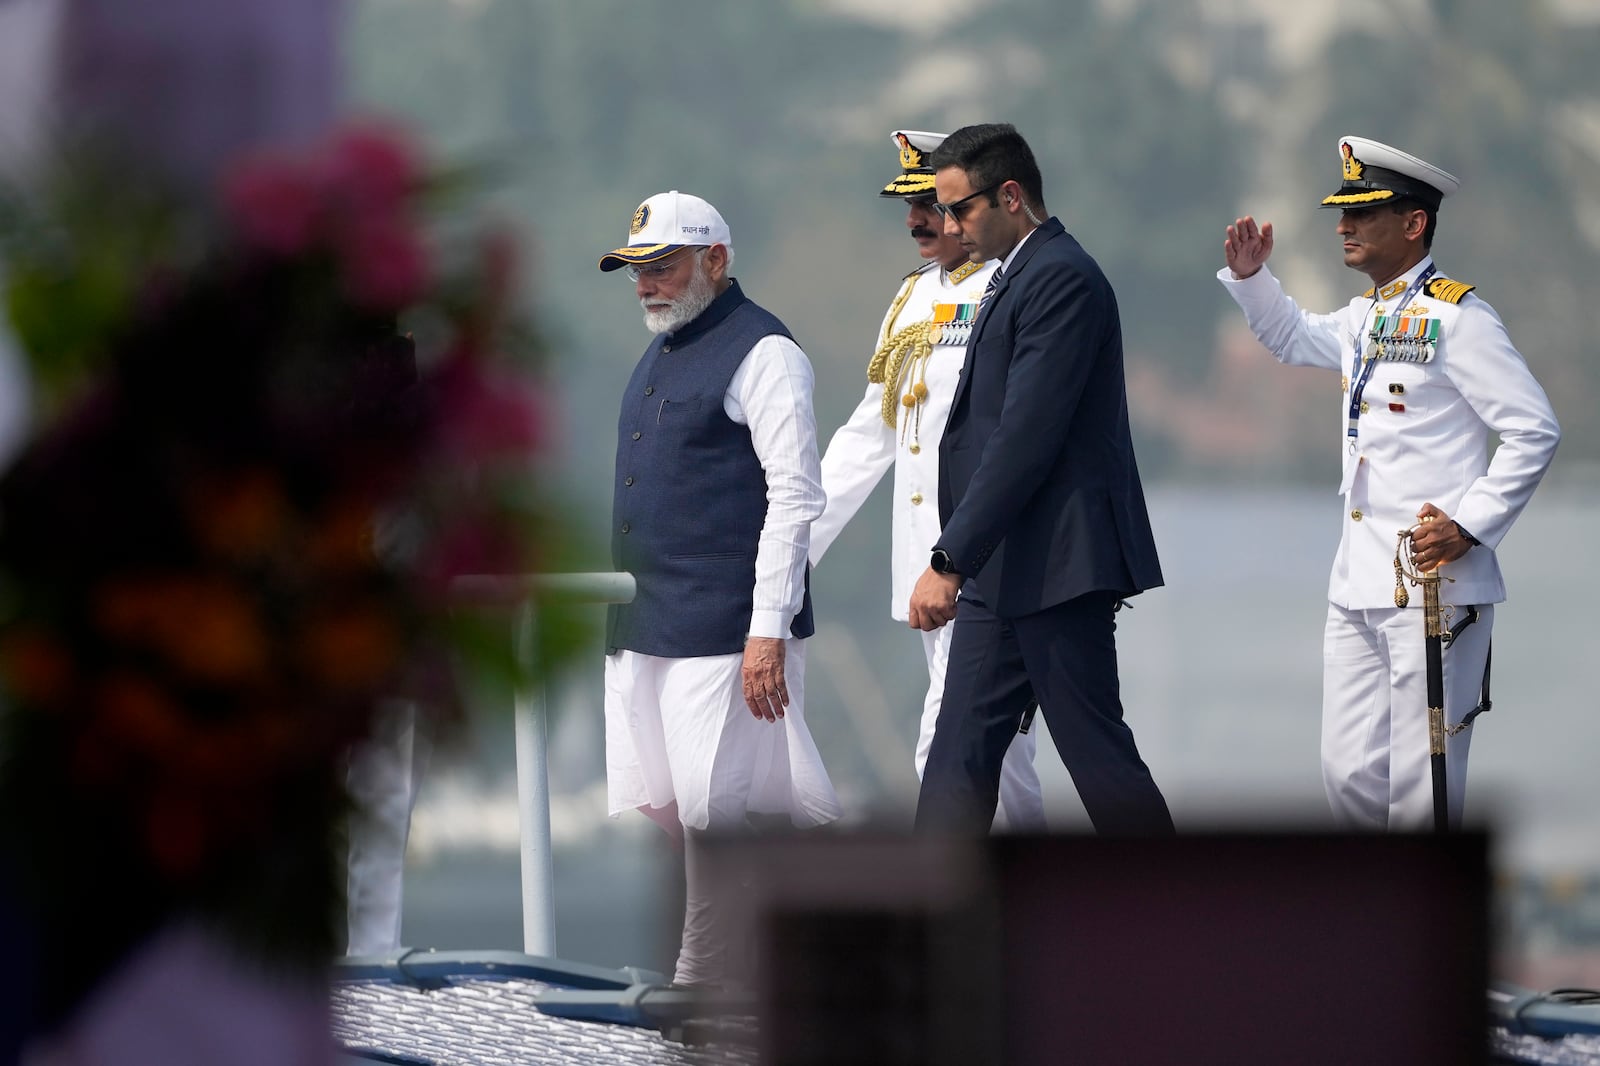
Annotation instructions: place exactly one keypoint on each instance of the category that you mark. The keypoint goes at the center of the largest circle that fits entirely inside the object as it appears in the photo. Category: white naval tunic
(1423, 436)
(859, 454)
(678, 729)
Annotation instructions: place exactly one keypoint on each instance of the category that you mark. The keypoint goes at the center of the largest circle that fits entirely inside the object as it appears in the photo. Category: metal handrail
(530, 714)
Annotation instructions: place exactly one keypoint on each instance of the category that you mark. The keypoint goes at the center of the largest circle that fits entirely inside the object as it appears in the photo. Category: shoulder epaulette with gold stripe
(921, 268)
(1448, 290)
(964, 271)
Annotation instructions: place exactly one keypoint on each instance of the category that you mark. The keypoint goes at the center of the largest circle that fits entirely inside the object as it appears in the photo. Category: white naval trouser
(384, 774)
(1021, 807)
(1375, 752)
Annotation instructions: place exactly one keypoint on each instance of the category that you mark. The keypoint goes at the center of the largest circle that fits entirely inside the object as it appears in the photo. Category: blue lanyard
(1358, 385)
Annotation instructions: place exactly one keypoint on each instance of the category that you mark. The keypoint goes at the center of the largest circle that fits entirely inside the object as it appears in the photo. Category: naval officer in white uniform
(1429, 378)
(910, 382)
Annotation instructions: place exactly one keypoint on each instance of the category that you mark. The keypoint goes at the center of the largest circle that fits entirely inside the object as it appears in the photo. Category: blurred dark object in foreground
(1216, 948)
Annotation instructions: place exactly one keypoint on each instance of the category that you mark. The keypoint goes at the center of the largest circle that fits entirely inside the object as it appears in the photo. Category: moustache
(923, 231)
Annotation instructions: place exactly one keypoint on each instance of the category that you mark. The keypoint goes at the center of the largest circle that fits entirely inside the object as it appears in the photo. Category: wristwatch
(941, 564)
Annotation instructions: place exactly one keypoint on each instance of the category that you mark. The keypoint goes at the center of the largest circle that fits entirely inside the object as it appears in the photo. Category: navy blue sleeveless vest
(690, 497)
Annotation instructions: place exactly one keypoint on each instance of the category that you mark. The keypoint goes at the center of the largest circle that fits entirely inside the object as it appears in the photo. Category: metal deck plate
(1580, 1050)
(470, 1017)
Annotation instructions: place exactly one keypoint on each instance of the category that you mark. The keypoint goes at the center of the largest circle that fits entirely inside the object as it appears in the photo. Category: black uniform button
(626, 527)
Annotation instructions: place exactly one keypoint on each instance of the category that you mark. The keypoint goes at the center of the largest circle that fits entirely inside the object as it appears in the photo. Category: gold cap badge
(910, 158)
(640, 218)
(1352, 165)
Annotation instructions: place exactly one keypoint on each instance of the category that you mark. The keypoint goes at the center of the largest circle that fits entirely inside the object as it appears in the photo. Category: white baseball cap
(663, 224)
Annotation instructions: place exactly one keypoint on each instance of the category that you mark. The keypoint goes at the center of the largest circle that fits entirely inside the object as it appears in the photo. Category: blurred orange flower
(244, 516)
(204, 625)
(349, 647)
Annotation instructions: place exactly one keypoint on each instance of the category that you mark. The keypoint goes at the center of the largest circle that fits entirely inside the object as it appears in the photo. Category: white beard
(685, 309)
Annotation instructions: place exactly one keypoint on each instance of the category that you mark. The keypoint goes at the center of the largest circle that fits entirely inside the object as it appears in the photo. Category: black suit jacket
(1039, 492)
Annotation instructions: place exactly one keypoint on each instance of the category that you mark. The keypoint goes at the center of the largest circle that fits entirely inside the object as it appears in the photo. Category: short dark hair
(1407, 205)
(990, 154)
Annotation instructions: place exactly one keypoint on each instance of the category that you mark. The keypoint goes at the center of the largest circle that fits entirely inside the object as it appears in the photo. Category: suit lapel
(1044, 233)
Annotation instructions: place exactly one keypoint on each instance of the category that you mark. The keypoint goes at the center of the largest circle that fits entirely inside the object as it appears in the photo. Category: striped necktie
(988, 290)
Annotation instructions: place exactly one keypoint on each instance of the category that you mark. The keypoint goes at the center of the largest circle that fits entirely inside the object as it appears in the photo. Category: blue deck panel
(1554, 1028)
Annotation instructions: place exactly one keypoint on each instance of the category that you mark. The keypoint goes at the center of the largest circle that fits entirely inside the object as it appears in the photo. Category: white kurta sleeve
(771, 393)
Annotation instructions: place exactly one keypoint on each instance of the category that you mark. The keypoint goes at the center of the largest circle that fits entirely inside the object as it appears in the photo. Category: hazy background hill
(1155, 124)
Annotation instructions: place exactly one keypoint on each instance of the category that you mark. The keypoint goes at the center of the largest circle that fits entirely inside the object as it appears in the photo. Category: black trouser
(1066, 658)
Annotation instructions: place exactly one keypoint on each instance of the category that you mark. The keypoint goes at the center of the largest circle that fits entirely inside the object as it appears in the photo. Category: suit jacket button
(627, 481)
(626, 527)
(649, 390)
(636, 434)
(1356, 514)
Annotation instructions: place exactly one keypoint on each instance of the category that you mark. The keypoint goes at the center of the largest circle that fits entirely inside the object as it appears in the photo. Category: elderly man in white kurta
(911, 379)
(717, 483)
(1429, 376)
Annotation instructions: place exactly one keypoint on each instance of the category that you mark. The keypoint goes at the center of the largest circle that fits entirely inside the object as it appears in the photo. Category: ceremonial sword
(1433, 650)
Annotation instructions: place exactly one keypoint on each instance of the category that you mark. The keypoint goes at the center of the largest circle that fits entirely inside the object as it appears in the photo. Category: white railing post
(531, 711)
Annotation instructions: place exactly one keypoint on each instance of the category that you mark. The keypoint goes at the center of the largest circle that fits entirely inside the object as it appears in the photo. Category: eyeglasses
(657, 271)
(959, 209)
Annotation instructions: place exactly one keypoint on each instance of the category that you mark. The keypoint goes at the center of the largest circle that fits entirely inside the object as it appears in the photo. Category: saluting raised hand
(1248, 246)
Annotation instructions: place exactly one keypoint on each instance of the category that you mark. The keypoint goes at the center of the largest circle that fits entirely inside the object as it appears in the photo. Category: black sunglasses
(960, 207)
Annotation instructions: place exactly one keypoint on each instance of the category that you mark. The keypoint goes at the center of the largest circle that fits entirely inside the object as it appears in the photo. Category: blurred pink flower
(469, 545)
(352, 195)
(370, 170)
(487, 413)
(273, 202)
(385, 265)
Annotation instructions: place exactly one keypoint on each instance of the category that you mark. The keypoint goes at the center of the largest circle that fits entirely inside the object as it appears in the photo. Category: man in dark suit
(1045, 527)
